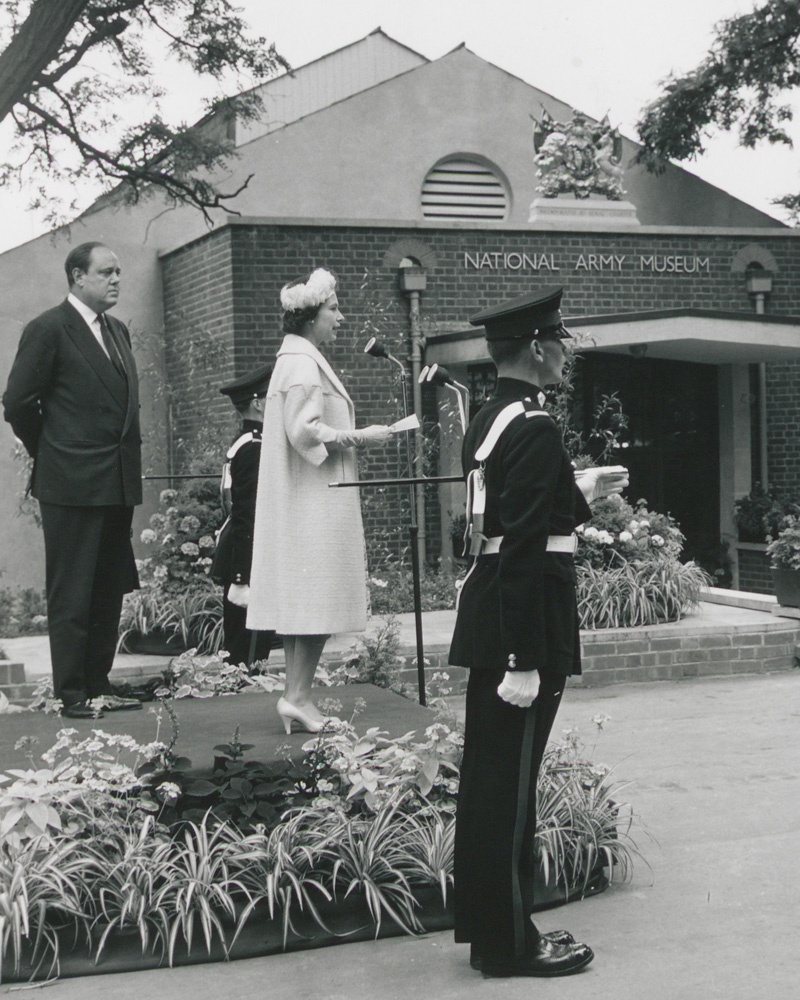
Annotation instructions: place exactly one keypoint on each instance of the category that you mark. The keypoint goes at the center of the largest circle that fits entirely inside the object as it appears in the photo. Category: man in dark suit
(517, 631)
(73, 401)
(234, 553)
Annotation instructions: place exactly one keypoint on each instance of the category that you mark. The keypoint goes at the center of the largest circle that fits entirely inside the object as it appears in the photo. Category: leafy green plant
(371, 857)
(784, 549)
(130, 891)
(391, 589)
(23, 611)
(280, 869)
(579, 824)
(44, 888)
(638, 594)
(762, 512)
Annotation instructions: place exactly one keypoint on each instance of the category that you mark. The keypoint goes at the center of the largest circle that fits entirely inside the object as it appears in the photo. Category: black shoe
(115, 703)
(548, 959)
(554, 937)
(80, 710)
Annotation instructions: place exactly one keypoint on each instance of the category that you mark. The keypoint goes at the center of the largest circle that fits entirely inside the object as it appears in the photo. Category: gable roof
(333, 77)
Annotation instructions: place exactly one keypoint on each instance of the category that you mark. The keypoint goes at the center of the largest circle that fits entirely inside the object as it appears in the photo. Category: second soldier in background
(234, 553)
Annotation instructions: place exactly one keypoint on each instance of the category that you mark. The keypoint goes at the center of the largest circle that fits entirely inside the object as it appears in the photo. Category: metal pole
(413, 532)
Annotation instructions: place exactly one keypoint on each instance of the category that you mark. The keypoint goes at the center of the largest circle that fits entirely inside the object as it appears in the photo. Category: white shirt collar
(88, 314)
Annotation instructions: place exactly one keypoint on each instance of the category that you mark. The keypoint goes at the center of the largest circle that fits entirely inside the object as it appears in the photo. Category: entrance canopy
(699, 335)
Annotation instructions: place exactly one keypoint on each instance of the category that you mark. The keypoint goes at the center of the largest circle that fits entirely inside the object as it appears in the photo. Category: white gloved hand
(519, 687)
(601, 481)
(374, 434)
(239, 594)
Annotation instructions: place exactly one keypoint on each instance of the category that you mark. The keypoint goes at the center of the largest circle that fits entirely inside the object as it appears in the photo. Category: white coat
(309, 568)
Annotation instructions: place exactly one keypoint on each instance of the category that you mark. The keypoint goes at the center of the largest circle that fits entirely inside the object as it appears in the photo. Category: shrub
(628, 568)
(391, 589)
(182, 538)
(784, 550)
(23, 611)
(761, 513)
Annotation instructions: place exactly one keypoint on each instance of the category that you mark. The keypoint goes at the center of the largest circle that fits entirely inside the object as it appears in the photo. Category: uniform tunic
(309, 567)
(234, 553)
(521, 604)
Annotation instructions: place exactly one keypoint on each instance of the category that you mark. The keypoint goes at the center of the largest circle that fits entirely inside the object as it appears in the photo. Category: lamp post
(759, 286)
(413, 281)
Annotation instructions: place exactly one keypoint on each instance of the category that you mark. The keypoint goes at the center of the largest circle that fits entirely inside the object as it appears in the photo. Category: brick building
(373, 159)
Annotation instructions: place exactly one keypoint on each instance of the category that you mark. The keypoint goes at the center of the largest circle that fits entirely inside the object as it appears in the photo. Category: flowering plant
(347, 768)
(784, 550)
(619, 533)
(181, 538)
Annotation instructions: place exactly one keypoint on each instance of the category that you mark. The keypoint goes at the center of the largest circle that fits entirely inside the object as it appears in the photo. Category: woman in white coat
(308, 579)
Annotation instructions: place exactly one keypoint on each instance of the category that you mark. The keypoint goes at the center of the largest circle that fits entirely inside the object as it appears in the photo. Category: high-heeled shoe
(291, 713)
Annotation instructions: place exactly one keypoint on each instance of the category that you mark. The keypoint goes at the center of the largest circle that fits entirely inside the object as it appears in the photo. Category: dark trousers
(89, 567)
(238, 637)
(496, 815)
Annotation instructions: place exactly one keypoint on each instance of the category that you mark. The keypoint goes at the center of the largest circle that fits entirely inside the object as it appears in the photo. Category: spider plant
(638, 593)
(43, 887)
(430, 843)
(200, 887)
(371, 855)
(132, 890)
(579, 825)
(282, 867)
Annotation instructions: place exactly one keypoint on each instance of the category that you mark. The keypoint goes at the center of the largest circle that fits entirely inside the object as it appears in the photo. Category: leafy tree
(74, 70)
(742, 84)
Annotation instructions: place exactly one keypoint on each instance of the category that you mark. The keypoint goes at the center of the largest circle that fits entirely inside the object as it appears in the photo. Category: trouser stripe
(520, 826)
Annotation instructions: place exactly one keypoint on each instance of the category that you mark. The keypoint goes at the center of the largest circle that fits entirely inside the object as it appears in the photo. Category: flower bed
(116, 842)
(628, 568)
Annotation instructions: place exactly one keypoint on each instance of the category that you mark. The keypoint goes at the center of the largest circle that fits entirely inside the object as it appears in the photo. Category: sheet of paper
(406, 424)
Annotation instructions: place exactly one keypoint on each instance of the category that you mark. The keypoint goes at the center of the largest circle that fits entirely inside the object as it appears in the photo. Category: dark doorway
(672, 446)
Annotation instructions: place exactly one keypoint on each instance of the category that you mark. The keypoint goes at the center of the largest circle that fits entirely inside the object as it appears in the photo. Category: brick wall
(754, 572)
(659, 653)
(226, 287)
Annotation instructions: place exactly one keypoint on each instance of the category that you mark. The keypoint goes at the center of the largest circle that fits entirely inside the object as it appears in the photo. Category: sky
(600, 57)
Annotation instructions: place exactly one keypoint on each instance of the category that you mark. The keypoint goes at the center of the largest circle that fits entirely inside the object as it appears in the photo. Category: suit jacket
(75, 413)
(522, 601)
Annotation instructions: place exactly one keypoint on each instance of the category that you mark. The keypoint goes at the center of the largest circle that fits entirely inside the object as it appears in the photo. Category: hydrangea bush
(629, 570)
(181, 538)
(619, 532)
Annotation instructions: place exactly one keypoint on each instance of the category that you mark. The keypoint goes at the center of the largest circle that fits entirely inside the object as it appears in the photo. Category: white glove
(239, 593)
(519, 687)
(375, 433)
(601, 481)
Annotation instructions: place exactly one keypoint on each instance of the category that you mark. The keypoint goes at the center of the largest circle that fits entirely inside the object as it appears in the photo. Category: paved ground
(34, 651)
(714, 766)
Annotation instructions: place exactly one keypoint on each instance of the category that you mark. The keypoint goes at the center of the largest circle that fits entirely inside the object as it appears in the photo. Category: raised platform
(207, 721)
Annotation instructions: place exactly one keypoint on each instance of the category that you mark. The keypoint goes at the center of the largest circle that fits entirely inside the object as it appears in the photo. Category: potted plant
(784, 556)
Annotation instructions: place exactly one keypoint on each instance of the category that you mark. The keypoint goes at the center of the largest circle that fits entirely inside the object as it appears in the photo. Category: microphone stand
(378, 350)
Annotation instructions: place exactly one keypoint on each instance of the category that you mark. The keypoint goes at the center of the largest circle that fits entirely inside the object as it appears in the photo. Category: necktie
(111, 347)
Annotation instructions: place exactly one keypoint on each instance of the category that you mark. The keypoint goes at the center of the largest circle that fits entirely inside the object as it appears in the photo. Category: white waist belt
(555, 543)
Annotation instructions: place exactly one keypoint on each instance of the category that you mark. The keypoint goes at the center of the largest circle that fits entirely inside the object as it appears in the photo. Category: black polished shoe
(554, 937)
(115, 703)
(80, 710)
(548, 959)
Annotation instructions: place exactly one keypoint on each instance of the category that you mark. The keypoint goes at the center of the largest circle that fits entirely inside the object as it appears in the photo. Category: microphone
(436, 375)
(376, 348)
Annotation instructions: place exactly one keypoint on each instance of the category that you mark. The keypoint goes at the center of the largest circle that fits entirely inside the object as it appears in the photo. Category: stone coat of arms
(579, 157)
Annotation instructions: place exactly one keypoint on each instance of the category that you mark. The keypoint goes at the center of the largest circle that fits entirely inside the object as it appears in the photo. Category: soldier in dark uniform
(234, 552)
(517, 631)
